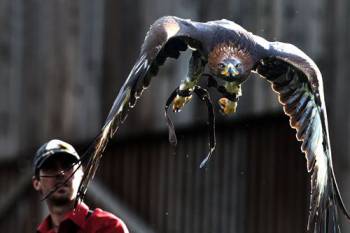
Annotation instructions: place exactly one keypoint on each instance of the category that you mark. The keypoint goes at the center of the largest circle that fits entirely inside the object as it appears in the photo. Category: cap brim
(57, 155)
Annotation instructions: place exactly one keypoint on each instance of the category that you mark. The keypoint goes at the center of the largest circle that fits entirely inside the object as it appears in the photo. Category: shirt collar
(77, 216)
(45, 225)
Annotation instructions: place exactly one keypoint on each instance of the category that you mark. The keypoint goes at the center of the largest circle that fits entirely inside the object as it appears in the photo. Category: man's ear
(36, 183)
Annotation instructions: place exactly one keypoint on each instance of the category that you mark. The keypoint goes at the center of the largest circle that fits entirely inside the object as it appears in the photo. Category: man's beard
(59, 201)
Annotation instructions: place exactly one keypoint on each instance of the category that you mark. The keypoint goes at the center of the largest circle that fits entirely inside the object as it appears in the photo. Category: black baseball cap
(52, 148)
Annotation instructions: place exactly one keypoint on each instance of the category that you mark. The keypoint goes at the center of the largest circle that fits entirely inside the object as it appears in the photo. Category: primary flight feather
(231, 54)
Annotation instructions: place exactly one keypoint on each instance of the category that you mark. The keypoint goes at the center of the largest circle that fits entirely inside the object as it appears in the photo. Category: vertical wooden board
(278, 200)
(216, 190)
(270, 165)
(134, 176)
(11, 42)
(242, 174)
(206, 189)
(262, 179)
(197, 193)
(231, 144)
(251, 181)
(85, 114)
(225, 170)
(181, 176)
(163, 175)
(170, 192)
(194, 185)
(144, 159)
(154, 183)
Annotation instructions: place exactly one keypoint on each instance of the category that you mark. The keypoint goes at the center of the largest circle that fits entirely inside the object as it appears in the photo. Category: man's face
(55, 172)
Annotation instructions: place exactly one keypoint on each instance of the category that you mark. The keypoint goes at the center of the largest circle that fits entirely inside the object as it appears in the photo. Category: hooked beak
(230, 70)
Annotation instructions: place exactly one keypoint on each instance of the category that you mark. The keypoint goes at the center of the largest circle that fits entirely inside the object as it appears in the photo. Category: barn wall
(50, 71)
(255, 181)
(247, 187)
(62, 63)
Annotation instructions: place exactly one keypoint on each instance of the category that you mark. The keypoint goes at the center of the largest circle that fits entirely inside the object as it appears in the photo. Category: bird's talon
(180, 101)
(227, 106)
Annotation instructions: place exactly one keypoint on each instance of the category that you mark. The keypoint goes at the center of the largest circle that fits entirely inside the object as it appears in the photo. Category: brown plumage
(292, 74)
(228, 50)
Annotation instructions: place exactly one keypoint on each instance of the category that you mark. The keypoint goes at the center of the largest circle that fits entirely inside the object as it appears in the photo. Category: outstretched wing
(298, 82)
(166, 38)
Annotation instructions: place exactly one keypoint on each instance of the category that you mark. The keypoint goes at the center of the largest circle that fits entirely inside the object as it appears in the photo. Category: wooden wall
(50, 71)
(62, 63)
(255, 182)
(318, 27)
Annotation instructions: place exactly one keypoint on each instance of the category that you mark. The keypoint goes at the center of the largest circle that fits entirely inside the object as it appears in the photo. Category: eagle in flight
(226, 54)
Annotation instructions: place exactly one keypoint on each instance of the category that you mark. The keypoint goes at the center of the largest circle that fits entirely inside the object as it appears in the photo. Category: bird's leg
(186, 88)
(184, 94)
(231, 92)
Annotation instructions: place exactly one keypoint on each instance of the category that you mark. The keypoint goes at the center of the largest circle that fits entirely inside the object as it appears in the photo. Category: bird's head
(230, 63)
(229, 69)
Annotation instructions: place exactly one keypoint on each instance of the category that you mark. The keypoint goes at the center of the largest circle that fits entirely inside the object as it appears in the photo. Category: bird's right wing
(167, 37)
(298, 82)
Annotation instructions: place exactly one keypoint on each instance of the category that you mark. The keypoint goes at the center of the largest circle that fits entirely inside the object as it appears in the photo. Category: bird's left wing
(298, 82)
(165, 38)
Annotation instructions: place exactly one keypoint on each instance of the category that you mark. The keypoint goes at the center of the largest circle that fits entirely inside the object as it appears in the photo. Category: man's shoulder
(102, 219)
(103, 215)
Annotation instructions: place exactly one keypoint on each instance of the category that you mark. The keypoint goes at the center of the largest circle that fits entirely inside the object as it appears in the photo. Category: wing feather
(293, 75)
(167, 37)
(300, 89)
(295, 101)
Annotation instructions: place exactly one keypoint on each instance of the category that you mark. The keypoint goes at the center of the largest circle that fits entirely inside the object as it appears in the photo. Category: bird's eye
(221, 65)
(238, 65)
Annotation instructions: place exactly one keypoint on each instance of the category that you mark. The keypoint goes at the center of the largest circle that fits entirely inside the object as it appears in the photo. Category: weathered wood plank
(51, 73)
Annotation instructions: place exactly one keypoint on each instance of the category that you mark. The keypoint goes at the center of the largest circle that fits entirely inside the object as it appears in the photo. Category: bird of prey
(226, 54)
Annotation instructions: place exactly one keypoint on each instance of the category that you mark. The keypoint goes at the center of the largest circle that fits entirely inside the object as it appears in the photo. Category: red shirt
(80, 221)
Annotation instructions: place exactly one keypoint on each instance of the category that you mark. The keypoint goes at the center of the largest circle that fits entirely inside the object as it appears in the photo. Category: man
(54, 165)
